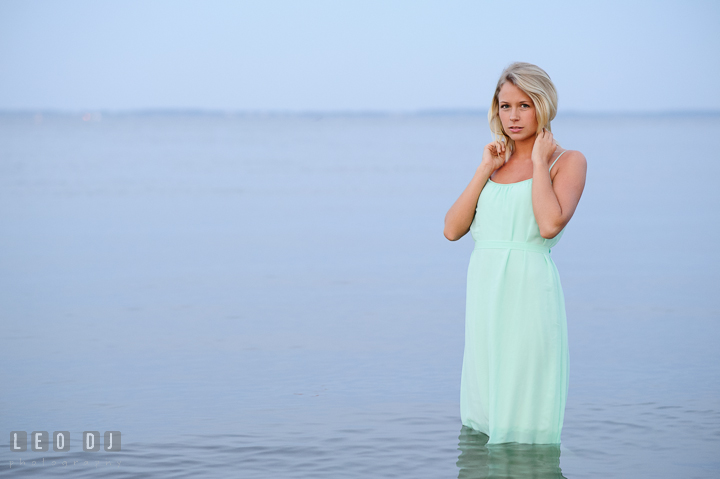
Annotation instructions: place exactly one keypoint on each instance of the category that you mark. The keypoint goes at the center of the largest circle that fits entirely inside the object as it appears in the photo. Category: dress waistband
(512, 245)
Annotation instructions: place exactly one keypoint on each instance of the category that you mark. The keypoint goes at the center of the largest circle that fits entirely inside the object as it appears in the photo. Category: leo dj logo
(40, 441)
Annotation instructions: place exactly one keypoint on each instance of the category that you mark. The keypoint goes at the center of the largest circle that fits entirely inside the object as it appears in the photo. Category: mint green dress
(515, 366)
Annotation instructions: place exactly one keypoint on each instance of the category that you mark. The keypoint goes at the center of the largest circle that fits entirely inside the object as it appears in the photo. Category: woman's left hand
(544, 147)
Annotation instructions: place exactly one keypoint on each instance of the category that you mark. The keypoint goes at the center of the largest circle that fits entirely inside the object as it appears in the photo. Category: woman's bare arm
(460, 216)
(554, 201)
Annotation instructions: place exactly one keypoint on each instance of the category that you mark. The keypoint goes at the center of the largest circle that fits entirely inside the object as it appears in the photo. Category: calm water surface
(273, 297)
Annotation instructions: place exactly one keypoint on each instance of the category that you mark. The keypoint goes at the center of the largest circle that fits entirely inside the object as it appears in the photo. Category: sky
(353, 55)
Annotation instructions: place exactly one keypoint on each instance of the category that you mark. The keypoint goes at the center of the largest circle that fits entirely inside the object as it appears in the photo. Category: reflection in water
(512, 460)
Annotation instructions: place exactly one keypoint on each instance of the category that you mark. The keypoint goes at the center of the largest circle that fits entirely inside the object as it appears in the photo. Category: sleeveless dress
(515, 371)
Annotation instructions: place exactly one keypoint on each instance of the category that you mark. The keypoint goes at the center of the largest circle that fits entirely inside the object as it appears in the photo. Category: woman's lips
(515, 129)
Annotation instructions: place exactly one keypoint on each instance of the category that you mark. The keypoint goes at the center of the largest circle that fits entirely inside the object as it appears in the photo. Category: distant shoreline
(336, 113)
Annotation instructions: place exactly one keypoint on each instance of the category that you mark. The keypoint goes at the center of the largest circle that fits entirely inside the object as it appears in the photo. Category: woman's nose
(514, 114)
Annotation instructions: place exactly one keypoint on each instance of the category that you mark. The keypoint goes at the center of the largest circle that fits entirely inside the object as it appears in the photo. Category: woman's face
(517, 112)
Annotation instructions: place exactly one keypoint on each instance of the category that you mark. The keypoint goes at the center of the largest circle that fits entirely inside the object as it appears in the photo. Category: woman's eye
(525, 105)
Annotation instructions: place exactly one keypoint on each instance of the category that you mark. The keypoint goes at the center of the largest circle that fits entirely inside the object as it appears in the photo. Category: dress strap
(553, 163)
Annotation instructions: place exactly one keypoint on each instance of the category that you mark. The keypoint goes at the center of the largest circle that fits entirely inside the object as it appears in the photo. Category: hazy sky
(353, 55)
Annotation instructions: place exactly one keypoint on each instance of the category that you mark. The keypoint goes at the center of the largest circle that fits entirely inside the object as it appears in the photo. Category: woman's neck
(524, 148)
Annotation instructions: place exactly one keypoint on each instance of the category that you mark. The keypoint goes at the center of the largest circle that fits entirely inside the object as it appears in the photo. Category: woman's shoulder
(568, 153)
(571, 160)
(569, 157)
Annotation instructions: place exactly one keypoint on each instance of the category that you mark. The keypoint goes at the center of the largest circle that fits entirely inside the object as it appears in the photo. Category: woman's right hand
(494, 155)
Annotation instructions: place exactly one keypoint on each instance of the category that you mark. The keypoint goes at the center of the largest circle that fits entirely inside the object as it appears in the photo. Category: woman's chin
(516, 137)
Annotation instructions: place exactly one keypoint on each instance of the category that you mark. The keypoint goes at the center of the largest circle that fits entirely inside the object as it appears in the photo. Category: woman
(515, 366)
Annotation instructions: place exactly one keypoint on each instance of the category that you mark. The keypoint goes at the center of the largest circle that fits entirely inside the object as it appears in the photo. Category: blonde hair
(536, 83)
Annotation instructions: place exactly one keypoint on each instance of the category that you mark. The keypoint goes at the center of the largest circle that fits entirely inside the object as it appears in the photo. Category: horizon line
(335, 112)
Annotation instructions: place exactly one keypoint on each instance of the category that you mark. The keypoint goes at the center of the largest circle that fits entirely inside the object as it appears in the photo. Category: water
(272, 296)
